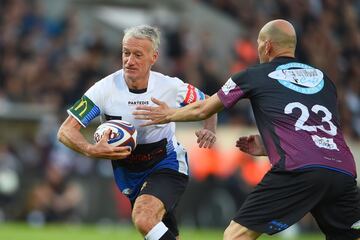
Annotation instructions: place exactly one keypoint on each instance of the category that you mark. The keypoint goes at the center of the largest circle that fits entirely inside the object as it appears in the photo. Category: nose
(130, 60)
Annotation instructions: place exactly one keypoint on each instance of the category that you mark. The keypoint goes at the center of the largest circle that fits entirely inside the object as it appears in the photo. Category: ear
(154, 57)
(268, 47)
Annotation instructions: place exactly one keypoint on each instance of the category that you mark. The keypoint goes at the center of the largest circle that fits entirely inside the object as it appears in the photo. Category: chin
(130, 76)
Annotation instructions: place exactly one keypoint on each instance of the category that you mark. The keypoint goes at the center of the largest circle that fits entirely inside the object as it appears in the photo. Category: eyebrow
(136, 51)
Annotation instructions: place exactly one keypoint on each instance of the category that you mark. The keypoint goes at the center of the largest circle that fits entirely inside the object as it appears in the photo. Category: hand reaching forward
(206, 138)
(103, 149)
(155, 115)
(252, 145)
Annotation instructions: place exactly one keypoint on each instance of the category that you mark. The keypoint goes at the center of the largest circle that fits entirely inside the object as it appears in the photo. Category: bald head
(282, 36)
(280, 32)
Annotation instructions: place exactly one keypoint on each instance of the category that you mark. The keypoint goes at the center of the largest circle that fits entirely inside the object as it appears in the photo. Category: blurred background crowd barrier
(51, 51)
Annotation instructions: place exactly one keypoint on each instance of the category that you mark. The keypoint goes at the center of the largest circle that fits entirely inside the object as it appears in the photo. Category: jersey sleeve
(236, 88)
(88, 106)
(187, 94)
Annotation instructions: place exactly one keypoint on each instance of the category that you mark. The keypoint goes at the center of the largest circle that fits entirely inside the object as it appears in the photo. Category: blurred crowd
(328, 33)
(52, 61)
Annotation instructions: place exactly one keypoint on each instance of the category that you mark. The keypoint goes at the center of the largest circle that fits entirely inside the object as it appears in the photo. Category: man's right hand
(252, 145)
(103, 149)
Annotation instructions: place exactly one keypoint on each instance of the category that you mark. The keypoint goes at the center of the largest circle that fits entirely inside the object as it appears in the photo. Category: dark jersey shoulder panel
(295, 107)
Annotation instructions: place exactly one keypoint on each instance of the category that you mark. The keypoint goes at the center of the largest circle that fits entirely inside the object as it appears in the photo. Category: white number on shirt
(300, 123)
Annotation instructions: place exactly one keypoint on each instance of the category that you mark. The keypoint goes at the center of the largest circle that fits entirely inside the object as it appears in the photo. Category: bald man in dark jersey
(295, 107)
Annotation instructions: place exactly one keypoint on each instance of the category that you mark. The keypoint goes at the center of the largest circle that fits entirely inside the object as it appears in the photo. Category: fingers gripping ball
(122, 133)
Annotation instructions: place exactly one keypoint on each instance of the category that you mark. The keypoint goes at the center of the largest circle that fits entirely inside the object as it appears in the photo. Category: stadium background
(52, 51)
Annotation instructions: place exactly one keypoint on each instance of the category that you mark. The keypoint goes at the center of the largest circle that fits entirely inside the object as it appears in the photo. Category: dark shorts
(168, 186)
(283, 197)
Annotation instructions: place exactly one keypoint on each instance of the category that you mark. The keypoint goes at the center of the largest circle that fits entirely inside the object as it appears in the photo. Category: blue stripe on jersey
(130, 182)
(201, 95)
(93, 113)
(326, 167)
(170, 147)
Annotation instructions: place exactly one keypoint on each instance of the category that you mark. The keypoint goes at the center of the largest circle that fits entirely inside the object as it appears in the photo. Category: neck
(137, 83)
(282, 54)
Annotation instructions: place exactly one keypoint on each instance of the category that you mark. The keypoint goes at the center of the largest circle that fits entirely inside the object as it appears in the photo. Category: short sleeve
(187, 94)
(88, 106)
(236, 88)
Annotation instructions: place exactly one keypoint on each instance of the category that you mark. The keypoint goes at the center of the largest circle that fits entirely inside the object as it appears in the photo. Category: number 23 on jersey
(300, 124)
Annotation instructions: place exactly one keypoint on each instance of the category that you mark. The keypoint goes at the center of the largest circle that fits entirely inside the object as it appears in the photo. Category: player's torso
(295, 108)
(121, 102)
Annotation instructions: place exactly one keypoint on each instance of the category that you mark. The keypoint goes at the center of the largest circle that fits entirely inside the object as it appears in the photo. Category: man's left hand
(206, 138)
(154, 115)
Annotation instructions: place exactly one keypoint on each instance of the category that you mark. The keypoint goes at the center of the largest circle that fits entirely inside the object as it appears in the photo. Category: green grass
(114, 232)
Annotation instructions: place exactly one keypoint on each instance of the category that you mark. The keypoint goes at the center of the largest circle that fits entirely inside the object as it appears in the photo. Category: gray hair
(144, 31)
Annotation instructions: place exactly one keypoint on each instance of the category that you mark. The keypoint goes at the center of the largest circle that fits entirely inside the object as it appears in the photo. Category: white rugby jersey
(111, 96)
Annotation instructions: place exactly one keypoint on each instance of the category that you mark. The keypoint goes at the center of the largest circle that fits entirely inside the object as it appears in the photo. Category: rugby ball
(122, 133)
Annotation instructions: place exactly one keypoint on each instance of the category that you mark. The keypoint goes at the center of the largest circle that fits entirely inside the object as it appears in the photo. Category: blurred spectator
(353, 103)
(55, 198)
(53, 60)
(329, 36)
(10, 169)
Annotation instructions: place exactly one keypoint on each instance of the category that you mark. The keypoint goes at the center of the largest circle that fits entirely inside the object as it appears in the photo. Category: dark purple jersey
(295, 107)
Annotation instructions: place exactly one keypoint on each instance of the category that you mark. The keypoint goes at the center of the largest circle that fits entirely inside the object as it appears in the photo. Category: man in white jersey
(155, 174)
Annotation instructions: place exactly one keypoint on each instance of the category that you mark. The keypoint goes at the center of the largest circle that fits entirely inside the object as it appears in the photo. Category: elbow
(60, 134)
(202, 115)
(204, 110)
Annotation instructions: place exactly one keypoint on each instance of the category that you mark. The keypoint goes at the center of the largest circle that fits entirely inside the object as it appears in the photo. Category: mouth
(130, 69)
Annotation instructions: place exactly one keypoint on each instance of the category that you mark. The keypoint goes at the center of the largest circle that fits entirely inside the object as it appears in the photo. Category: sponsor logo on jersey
(228, 86)
(138, 102)
(299, 77)
(276, 226)
(190, 95)
(323, 142)
(127, 191)
(356, 225)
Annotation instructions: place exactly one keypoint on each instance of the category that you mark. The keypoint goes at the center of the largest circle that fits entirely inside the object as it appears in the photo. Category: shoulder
(165, 80)
(109, 80)
(251, 71)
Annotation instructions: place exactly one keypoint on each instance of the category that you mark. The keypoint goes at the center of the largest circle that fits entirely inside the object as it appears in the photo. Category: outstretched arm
(196, 111)
(252, 145)
(69, 134)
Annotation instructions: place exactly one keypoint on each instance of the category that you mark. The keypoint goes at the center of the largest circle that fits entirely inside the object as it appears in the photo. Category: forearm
(69, 134)
(74, 140)
(191, 112)
(196, 111)
(210, 123)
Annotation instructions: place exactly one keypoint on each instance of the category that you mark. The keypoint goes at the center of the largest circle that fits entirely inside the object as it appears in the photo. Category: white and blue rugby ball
(122, 133)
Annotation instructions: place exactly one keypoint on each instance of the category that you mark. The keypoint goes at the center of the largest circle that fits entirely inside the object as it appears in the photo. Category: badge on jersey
(84, 110)
(228, 86)
(299, 77)
(192, 95)
(323, 142)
